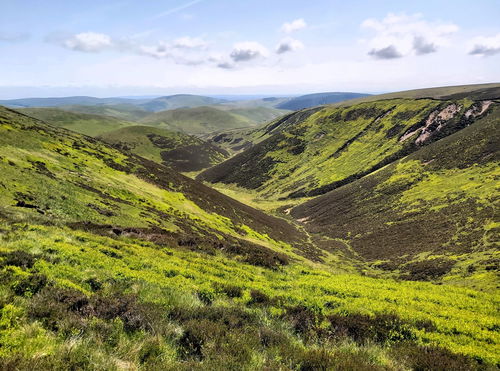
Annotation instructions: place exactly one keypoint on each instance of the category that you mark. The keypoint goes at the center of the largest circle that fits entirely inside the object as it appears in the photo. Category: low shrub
(381, 328)
(232, 291)
(259, 298)
(420, 358)
(306, 321)
(206, 296)
(19, 258)
(427, 270)
(30, 285)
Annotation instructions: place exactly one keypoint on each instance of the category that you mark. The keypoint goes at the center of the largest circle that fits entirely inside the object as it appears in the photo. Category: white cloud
(293, 26)
(184, 50)
(248, 50)
(90, 42)
(389, 52)
(288, 45)
(399, 35)
(486, 46)
(187, 42)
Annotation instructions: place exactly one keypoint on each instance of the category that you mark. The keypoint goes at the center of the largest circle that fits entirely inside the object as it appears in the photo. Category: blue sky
(128, 47)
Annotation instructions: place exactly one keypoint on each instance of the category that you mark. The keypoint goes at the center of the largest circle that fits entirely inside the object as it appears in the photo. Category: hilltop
(128, 112)
(179, 151)
(196, 120)
(179, 101)
(88, 124)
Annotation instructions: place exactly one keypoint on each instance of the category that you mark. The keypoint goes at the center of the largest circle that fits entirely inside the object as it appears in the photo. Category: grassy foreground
(71, 299)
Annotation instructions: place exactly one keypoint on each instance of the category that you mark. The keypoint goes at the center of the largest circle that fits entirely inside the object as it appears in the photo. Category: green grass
(182, 152)
(84, 123)
(430, 215)
(111, 261)
(127, 112)
(174, 280)
(61, 176)
(197, 120)
(329, 148)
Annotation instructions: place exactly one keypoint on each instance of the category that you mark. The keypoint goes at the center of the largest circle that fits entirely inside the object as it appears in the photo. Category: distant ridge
(318, 99)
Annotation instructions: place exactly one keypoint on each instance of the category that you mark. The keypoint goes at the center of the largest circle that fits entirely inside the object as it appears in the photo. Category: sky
(155, 47)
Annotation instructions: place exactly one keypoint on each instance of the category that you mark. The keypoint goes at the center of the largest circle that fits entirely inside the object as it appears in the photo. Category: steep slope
(337, 145)
(179, 151)
(179, 101)
(83, 123)
(238, 140)
(427, 215)
(197, 120)
(52, 174)
(317, 99)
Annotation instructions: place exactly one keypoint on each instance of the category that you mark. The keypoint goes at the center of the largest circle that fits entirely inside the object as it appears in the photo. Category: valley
(189, 232)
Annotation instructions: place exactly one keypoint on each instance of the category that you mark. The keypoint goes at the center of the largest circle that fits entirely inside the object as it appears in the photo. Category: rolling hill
(88, 124)
(179, 101)
(317, 99)
(179, 151)
(335, 145)
(197, 120)
(128, 112)
(109, 260)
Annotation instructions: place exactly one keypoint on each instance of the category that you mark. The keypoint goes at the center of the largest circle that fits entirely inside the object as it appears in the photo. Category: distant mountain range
(317, 99)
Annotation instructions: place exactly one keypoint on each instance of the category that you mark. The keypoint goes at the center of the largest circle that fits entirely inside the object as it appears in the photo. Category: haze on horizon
(121, 47)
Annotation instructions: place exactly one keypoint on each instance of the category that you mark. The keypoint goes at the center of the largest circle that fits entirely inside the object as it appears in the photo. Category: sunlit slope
(88, 124)
(337, 145)
(128, 112)
(141, 304)
(197, 120)
(61, 177)
(431, 214)
(177, 150)
(172, 102)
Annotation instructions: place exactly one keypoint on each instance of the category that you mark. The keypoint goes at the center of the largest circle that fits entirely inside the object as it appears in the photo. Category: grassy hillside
(428, 216)
(179, 101)
(179, 151)
(126, 112)
(83, 123)
(196, 120)
(110, 261)
(238, 140)
(317, 99)
(256, 115)
(333, 146)
(72, 299)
